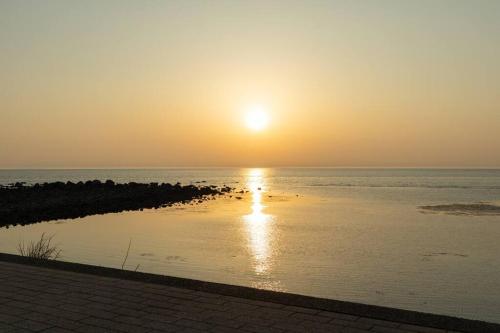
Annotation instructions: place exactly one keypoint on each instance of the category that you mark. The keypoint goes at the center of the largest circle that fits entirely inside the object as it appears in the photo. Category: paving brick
(199, 306)
(277, 314)
(8, 319)
(211, 300)
(378, 322)
(37, 299)
(352, 324)
(131, 320)
(98, 322)
(224, 322)
(208, 295)
(31, 325)
(94, 329)
(102, 299)
(130, 305)
(193, 324)
(237, 306)
(58, 330)
(354, 330)
(260, 329)
(17, 330)
(163, 327)
(16, 306)
(162, 318)
(5, 327)
(224, 329)
(323, 327)
(114, 325)
(337, 315)
(300, 309)
(305, 316)
(62, 323)
(128, 312)
(221, 315)
(289, 327)
(244, 318)
(190, 330)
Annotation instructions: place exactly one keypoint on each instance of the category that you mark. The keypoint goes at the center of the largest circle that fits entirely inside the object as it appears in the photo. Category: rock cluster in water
(22, 204)
(465, 209)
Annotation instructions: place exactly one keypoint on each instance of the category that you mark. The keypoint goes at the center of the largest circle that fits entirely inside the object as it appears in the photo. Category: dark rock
(23, 204)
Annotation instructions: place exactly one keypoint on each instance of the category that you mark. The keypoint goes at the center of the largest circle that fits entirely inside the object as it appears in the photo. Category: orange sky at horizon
(158, 84)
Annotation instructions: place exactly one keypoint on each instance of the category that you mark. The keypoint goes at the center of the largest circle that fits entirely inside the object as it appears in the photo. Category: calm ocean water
(349, 234)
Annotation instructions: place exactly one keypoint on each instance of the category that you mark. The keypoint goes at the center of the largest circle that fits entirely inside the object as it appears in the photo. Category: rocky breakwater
(23, 204)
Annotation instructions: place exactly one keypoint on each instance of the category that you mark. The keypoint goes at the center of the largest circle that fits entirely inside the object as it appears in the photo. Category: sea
(352, 234)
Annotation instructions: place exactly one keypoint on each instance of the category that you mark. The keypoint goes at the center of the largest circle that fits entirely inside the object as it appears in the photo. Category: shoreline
(349, 308)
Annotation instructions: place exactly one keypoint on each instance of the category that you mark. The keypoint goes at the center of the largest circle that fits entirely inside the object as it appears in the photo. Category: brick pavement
(36, 299)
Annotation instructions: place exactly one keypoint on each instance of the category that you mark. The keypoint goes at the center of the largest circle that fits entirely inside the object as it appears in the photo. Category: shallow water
(350, 234)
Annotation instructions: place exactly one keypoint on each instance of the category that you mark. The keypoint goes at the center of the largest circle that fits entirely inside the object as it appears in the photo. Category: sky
(97, 84)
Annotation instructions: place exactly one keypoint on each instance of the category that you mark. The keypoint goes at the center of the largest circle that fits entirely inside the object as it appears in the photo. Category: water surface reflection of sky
(353, 235)
(258, 224)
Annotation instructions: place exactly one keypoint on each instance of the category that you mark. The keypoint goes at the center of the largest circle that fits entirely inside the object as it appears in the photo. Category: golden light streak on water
(257, 223)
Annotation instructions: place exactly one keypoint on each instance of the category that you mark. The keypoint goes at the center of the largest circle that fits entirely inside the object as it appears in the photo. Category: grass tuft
(41, 249)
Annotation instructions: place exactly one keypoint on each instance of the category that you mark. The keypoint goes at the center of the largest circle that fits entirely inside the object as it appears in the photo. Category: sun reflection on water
(257, 223)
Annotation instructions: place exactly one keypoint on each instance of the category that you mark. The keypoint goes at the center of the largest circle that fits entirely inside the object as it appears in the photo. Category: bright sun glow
(256, 118)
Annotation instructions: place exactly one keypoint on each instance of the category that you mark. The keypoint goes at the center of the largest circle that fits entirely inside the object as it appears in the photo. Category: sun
(256, 118)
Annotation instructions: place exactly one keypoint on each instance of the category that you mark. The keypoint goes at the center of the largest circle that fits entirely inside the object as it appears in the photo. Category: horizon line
(254, 167)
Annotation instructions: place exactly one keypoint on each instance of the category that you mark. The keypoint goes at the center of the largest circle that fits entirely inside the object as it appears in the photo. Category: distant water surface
(349, 234)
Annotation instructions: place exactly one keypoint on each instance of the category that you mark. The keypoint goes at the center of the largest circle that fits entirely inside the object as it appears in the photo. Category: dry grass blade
(41, 249)
(126, 255)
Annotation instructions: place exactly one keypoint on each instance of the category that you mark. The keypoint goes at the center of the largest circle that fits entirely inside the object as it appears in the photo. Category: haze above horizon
(258, 83)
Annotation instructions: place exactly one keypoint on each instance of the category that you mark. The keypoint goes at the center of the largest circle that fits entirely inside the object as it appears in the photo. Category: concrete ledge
(358, 309)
